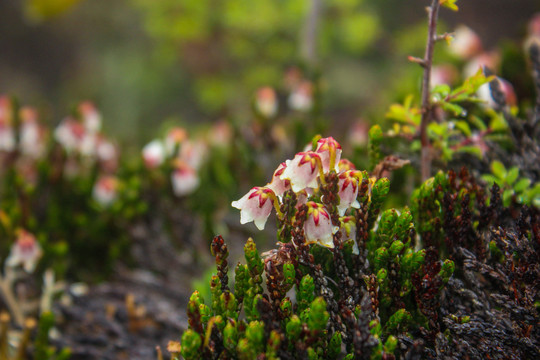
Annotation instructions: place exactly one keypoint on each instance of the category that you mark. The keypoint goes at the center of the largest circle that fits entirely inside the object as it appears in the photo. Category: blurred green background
(148, 61)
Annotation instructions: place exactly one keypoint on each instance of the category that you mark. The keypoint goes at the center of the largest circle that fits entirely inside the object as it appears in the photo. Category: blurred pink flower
(91, 117)
(255, 206)
(69, 133)
(445, 74)
(303, 170)
(266, 102)
(318, 227)
(32, 135)
(220, 134)
(193, 153)
(184, 179)
(26, 252)
(466, 43)
(174, 138)
(301, 98)
(105, 190)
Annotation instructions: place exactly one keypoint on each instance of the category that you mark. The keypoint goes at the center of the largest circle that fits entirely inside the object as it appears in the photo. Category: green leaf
(450, 4)
(490, 179)
(498, 169)
(471, 150)
(453, 108)
(478, 123)
(464, 127)
(522, 184)
(507, 197)
(512, 175)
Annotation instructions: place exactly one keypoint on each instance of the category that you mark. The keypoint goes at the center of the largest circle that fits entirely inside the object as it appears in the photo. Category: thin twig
(427, 110)
(6, 292)
(309, 36)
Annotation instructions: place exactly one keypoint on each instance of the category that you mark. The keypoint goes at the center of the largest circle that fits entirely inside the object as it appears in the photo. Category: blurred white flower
(301, 98)
(174, 138)
(466, 43)
(25, 251)
(90, 116)
(184, 179)
(105, 190)
(266, 102)
(153, 154)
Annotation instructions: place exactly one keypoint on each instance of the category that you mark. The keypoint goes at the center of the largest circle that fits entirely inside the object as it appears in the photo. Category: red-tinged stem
(427, 109)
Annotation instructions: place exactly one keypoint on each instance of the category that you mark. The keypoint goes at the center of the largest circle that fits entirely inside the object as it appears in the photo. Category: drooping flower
(330, 152)
(318, 227)
(184, 179)
(25, 251)
(256, 206)
(303, 170)
(278, 185)
(153, 154)
(105, 190)
(266, 102)
(348, 190)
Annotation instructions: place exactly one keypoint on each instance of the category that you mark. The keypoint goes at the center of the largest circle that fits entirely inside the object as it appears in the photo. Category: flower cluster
(184, 155)
(306, 175)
